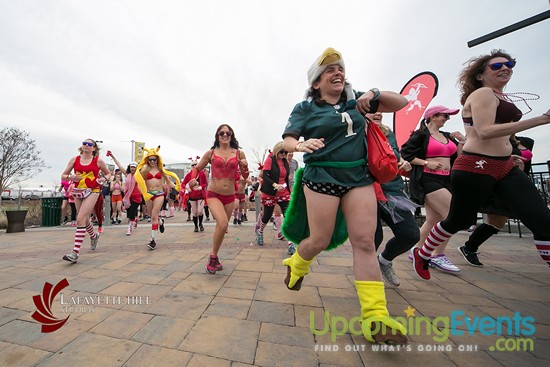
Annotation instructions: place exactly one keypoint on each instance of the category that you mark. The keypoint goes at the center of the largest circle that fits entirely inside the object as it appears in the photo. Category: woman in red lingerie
(226, 160)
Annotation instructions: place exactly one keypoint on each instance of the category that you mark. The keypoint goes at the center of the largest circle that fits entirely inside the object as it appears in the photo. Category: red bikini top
(158, 175)
(222, 169)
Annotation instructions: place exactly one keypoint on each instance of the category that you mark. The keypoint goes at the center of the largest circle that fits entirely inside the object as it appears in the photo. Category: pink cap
(439, 109)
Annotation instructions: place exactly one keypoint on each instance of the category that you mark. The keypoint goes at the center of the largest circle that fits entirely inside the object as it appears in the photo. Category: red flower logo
(43, 304)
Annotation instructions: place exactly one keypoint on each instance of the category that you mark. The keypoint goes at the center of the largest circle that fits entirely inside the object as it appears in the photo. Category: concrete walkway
(129, 306)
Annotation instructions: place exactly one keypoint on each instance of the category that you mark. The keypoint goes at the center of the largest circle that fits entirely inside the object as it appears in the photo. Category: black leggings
(406, 233)
(268, 210)
(132, 211)
(73, 211)
(516, 189)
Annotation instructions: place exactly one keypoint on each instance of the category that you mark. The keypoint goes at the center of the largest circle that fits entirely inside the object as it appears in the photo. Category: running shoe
(388, 274)
(161, 225)
(291, 248)
(93, 241)
(441, 262)
(470, 257)
(410, 255)
(71, 256)
(212, 265)
(421, 266)
(219, 265)
(152, 245)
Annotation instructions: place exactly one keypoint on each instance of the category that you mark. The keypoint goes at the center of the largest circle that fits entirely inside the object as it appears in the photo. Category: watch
(376, 92)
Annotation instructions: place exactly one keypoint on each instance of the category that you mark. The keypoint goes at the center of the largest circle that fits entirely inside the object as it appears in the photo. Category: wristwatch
(376, 92)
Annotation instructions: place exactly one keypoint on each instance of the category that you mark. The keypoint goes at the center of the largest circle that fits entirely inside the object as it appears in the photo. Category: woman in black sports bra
(486, 166)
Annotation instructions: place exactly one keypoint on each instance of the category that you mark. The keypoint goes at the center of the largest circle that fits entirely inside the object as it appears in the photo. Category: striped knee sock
(544, 250)
(437, 237)
(262, 226)
(90, 230)
(79, 238)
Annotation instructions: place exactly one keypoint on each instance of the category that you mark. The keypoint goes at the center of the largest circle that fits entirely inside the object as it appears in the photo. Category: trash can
(51, 211)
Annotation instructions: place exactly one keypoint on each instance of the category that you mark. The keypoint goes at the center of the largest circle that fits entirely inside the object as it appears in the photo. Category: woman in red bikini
(226, 160)
(85, 169)
(152, 180)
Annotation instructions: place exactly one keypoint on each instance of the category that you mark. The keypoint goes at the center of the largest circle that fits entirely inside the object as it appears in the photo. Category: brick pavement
(244, 315)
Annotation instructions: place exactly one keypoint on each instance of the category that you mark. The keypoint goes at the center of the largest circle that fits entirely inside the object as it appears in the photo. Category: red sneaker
(219, 265)
(211, 265)
(421, 266)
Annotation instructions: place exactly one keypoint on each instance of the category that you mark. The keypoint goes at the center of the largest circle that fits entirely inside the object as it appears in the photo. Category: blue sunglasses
(87, 143)
(498, 65)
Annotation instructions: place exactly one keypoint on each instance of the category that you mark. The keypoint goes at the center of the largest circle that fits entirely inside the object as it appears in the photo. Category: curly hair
(468, 80)
(234, 143)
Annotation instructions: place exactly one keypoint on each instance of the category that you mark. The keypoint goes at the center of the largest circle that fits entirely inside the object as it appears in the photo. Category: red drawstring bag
(381, 160)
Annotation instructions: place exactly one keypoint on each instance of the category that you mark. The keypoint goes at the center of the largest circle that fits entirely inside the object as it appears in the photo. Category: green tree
(20, 160)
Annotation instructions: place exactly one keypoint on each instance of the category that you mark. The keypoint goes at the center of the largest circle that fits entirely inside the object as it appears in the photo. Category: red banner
(419, 91)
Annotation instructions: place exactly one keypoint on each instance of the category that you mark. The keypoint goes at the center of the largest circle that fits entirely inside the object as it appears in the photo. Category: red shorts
(240, 197)
(225, 199)
(116, 198)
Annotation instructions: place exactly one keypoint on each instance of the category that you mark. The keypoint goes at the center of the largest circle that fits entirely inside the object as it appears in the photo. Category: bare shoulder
(482, 93)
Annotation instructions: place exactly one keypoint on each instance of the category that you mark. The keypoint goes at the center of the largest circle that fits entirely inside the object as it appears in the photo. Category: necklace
(519, 97)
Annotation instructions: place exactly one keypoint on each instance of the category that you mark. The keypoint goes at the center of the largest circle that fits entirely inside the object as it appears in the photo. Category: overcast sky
(169, 72)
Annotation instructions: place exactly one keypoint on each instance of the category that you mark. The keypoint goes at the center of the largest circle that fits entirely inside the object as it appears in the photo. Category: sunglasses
(87, 143)
(152, 159)
(193, 165)
(226, 133)
(498, 65)
(283, 152)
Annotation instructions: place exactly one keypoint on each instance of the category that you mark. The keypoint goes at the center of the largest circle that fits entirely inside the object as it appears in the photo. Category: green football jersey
(343, 130)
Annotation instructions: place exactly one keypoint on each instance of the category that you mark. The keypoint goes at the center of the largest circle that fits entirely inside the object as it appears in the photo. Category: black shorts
(432, 182)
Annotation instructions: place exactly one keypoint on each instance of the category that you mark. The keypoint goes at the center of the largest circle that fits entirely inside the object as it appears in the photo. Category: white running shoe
(441, 262)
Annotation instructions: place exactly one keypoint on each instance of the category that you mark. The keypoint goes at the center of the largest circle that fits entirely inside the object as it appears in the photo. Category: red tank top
(222, 169)
(88, 173)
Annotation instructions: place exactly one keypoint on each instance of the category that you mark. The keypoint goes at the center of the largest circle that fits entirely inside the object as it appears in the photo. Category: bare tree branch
(20, 160)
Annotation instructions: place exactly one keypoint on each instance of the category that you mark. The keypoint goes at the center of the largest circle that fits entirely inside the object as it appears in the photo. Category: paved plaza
(129, 306)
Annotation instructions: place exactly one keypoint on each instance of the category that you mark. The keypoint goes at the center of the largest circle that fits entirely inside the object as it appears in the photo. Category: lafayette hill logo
(43, 303)
(75, 303)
